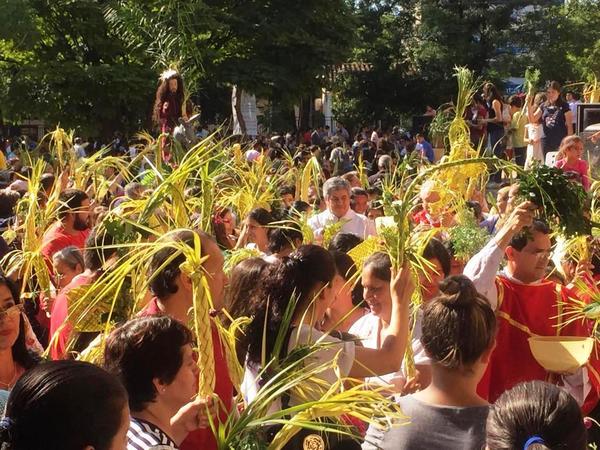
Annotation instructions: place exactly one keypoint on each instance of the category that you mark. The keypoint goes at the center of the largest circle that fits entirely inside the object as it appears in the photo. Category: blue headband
(533, 440)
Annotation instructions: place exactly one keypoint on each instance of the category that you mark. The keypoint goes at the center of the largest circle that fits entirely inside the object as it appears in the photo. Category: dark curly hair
(143, 349)
(296, 276)
(70, 201)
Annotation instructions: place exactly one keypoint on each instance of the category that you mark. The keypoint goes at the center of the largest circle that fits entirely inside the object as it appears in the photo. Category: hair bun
(457, 291)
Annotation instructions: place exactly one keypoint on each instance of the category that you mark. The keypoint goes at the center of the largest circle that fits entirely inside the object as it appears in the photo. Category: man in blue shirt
(425, 148)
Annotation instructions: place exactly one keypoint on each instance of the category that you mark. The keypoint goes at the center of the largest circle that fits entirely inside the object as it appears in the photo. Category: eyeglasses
(11, 312)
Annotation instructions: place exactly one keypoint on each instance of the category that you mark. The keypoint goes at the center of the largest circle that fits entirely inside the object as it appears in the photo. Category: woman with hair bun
(459, 329)
(536, 416)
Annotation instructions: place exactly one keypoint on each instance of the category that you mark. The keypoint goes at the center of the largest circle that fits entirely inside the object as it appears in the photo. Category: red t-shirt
(58, 317)
(56, 238)
(203, 438)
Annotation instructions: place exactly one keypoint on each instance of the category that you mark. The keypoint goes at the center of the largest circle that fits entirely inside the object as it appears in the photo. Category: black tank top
(493, 126)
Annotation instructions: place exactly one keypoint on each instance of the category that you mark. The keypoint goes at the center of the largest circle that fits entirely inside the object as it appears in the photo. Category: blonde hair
(566, 144)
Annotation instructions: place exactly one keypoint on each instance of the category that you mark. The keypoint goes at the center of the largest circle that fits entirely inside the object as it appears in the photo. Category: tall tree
(59, 62)
(413, 46)
(273, 48)
(561, 40)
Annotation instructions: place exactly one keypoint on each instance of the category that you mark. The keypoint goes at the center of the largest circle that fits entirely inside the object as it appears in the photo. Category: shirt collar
(509, 277)
(348, 216)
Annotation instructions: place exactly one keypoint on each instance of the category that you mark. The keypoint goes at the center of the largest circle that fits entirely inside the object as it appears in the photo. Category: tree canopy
(93, 64)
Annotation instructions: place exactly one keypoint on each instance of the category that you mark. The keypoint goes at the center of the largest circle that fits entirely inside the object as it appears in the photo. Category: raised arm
(388, 358)
(483, 267)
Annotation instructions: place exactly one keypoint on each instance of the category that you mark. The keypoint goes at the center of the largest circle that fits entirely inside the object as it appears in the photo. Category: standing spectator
(336, 192)
(359, 200)
(534, 131)
(67, 263)
(517, 129)
(557, 118)
(495, 124)
(341, 131)
(573, 99)
(316, 136)
(16, 341)
(340, 159)
(173, 296)
(325, 134)
(153, 357)
(425, 149)
(99, 249)
(458, 333)
(384, 165)
(66, 405)
(79, 148)
(375, 137)
(477, 128)
(306, 137)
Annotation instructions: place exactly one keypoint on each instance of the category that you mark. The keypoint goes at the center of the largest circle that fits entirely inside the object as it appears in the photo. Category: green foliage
(562, 201)
(467, 238)
(60, 63)
(561, 40)
(265, 47)
(93, 64)
(413, 46)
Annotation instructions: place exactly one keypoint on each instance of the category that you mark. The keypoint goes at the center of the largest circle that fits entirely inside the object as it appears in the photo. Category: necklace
(8, 385)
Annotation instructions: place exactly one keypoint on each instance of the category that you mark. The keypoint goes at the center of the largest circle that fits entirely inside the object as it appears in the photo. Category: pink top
(59, 325)
(580, 168)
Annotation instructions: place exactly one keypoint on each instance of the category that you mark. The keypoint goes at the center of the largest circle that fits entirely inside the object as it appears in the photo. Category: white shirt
(79, 151)
(375, 137)
(334, 349)
(368, 328)
(354, 223)
(573, 107)
(482, 270)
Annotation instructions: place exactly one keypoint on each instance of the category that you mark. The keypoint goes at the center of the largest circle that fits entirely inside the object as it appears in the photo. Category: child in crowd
(569, 160)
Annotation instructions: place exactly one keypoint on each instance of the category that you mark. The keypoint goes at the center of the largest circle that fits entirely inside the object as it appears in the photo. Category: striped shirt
(143, 435)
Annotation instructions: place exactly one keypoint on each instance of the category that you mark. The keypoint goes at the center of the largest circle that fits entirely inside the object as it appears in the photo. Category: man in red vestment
(172, 292)
(527, 305)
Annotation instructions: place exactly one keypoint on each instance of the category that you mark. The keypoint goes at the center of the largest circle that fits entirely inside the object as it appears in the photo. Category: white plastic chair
(551, 158)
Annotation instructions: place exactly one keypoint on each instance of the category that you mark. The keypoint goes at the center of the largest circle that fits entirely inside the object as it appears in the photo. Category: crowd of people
(447, 340)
